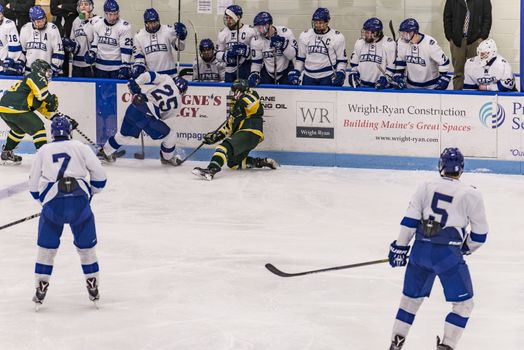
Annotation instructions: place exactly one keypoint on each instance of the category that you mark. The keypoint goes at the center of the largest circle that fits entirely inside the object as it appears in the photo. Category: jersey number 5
(65, 163)
(439, 211)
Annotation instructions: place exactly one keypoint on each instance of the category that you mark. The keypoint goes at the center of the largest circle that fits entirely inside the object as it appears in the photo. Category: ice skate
(92, 290)
(175, 161)
(441, 346)
(207, 173)
(40, 293)
(104, 157)
(397, 343)
(9, 157)
(266, 163)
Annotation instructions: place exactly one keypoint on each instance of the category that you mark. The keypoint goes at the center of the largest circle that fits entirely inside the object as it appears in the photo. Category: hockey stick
(333, 68)
(200, 146)
(275, 65)
(280, 273)
(118, 154)
(196, 50)
(142, 154)
(238, 38)
(20, 221)
(178, 46)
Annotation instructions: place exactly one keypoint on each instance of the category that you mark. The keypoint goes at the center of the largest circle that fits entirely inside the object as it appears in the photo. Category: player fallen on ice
(242, 132)
(437, 217)
(64, 176)
(147, 112)
(18, 106)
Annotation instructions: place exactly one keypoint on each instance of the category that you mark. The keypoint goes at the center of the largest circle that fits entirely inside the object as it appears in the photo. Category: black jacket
(64, 16)
(17, 7)
(479, 24)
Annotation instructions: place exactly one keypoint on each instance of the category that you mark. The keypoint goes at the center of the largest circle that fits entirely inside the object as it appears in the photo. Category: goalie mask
(486, 51)
(372, 30)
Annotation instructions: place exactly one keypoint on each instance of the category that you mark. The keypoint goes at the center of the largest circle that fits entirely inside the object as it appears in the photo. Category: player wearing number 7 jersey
(64, 176)
(148, 111)
(438, 215)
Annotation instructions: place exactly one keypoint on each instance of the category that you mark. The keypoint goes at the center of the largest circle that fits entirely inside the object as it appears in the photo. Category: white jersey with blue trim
(320, 54)
(497, 75)
(113, 44)
(227, 38)
(44, 44)
(155, 50)
(262, 53)
(163, 97)
(9, 41)
(69, 158)
(451, 203)
(213, 71)
(367, 57)
(424, 62)
(82, 33)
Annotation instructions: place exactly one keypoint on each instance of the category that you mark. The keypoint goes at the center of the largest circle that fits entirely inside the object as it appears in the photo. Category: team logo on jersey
(492, 118)
(32, 45)
(315, 120)
(416, 60)
(107, 40)
(79, 32)
(156, 48)
(366, 57)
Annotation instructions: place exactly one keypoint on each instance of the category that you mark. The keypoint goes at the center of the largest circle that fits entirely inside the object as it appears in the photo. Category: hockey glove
(338, 78)
(136, 70)
(398, 255)
(181, 30)
(354, 79)
(9, 66)
(139, 99)
(240, 50)
(52, 102)
(70, 45)
(133, 87)
(56, 70)
(399, 81)
(124, 73)
(213, 137)
(442, 82)
(74, 123)
(277, 42)
(293, 77)
(90, 57)
(19, 67)
(253, 79)
(181, 84)
(382, 83)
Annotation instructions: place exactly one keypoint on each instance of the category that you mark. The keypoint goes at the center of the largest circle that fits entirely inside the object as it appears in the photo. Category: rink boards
(327, 126)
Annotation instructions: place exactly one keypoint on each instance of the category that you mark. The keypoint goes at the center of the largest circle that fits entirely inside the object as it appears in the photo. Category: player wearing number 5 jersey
(437, 217)
(156, 97)
(64, 176)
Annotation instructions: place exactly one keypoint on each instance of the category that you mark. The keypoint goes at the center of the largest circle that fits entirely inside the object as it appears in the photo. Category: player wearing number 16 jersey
(156, 97)
(438, 216)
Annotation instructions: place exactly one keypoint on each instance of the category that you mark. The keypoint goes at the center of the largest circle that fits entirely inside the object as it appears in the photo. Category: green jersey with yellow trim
(246, 114)
(28, 94)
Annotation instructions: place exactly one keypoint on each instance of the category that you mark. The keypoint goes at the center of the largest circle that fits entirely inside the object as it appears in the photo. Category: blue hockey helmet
(451, 162)
(232, 16)
(60, 126)
(373, 25)
(321, 14)
(181, 84)
(408, 28)
(263, 18)
(151, 20)
(36, 13)
(207, 50)
(1, 9)
(111, 6)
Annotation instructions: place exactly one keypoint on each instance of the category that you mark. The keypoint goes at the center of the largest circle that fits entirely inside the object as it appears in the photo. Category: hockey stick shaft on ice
(20, 221)
(200, 146)
(281, 273)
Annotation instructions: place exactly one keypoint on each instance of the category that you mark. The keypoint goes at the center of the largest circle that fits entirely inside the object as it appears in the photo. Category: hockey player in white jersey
(156, 98)
(154, 45)
(371, 55)
(81, 38)
(112, 45)
(321, 54)
(208, 67)
(64, 176)
(488, 71)
(233, 45)
(420, 61)
(273, 50)
(41, 40)
(10, 49)
(438, 216)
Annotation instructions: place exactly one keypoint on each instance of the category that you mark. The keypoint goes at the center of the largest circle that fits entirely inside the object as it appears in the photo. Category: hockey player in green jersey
(18, 106)
(242, 132)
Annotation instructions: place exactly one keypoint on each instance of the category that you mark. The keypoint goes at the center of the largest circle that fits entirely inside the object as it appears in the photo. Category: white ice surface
(182, 263)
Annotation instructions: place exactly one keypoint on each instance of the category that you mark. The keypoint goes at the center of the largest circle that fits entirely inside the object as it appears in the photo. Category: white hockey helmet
(486, 51)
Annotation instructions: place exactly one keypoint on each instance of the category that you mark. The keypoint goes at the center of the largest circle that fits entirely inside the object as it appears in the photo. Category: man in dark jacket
(17, 11)
(466, 24)
(64, 12)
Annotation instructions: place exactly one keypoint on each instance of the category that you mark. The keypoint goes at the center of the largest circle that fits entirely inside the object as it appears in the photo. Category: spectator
(18, 11)
(466, 24)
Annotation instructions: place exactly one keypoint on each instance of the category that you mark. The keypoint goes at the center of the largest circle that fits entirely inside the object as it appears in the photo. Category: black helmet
(42, 68)
(240, 85)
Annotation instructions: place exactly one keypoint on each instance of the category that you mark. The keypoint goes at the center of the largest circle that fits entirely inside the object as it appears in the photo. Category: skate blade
(37, 306)
(9, 163)
(202, 175)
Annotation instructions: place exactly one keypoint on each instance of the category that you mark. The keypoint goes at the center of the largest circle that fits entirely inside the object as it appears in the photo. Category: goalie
(241, 133)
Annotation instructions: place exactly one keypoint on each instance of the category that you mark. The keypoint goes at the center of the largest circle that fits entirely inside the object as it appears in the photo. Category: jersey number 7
(65, 163)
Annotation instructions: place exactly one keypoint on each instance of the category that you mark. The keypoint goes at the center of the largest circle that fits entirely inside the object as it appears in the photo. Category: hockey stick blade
(280, 273)
(139, 155)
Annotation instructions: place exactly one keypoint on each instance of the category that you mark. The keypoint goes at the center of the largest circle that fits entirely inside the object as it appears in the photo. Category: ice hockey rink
(182, 263)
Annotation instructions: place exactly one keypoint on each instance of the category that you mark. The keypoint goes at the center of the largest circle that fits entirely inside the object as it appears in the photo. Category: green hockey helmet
(42, 68)
(239, 87)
